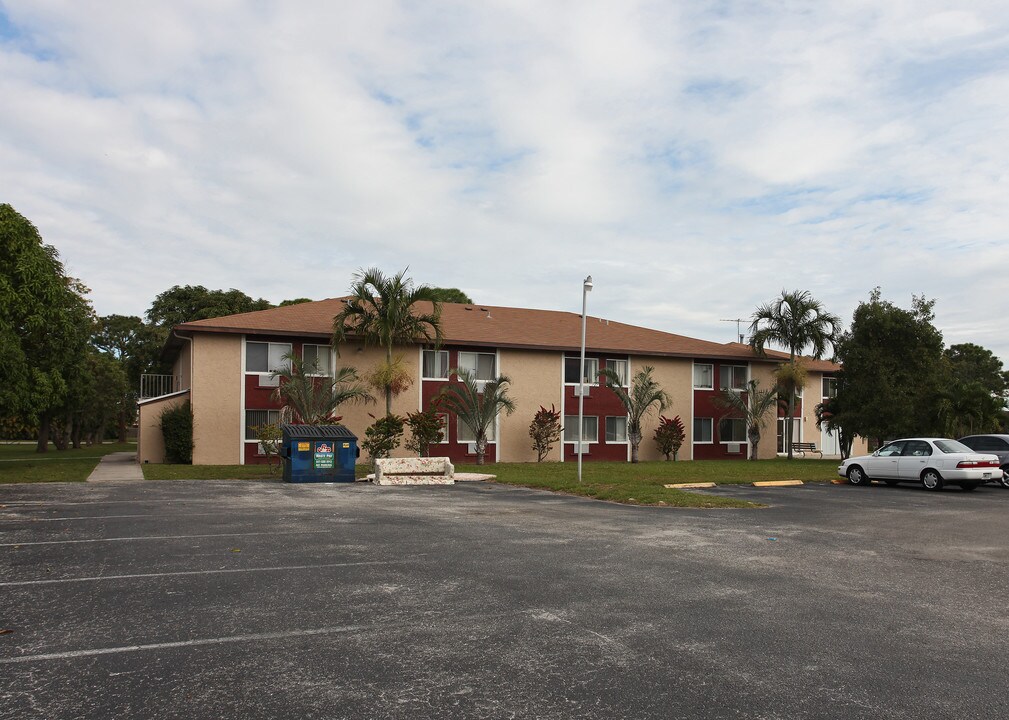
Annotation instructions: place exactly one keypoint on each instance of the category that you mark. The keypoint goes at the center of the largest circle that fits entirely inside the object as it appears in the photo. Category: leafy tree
(753, 406)
(893, 370)
(970, 363)
(185, 303)
(383, 436)
(477, 409)
(830, 417)
(270, 438)
(177, 430)
(426, 429)
(45, 323)
(669, 436)
(295, 301)
(451, 295)
(312, 399)
(795, 321)
(102, 397)
(380, 311)
(644, 393)
(545, 430)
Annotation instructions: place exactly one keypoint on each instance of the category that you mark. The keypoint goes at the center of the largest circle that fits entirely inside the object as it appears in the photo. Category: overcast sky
(695, 158)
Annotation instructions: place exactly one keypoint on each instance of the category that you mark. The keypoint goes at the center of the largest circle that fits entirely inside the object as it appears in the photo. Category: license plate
(986, 476)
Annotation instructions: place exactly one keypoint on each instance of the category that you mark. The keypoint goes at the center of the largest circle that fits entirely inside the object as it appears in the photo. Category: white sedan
(933, 462)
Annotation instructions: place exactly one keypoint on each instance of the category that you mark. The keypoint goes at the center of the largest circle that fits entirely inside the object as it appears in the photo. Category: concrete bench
(414, 471)
(803, 448)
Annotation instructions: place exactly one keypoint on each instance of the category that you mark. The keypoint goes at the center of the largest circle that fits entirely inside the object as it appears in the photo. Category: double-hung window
(318, 360)
(266, 357)
(254, 419)
(590, 429)
(435, 365)
(465, 435)
(616, 429)
(620, 368)
(591, 376)
(732, 377)
(829, 387)
(481, 366)
(732, 430)
(702, 430)
(703, 376)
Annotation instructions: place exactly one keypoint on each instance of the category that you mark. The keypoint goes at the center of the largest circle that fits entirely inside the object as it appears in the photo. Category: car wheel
(857, 476)
(1005, 477)
(968, 486)
(891, 483)
(931, 479)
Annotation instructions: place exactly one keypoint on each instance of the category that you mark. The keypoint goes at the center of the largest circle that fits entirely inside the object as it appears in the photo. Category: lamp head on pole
(588, 284)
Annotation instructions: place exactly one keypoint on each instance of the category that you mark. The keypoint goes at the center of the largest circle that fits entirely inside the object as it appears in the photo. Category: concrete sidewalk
(117, 467)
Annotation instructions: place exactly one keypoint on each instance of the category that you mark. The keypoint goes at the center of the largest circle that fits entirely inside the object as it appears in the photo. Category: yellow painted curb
(680, 486)
(777, 483)
(838, 481)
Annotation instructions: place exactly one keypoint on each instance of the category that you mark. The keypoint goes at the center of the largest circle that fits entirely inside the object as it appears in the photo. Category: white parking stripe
(183, 643)
(160, 537)
(222, 571)
(104, 517)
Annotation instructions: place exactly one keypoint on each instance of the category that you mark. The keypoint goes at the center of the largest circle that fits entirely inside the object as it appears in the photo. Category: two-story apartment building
(223, 367)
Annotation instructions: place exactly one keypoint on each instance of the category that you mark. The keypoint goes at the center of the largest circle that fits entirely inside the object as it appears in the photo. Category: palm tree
(477, 409)
(752, 405)
(380, 311)
(795, 321)
(313, 399)
(644, 393)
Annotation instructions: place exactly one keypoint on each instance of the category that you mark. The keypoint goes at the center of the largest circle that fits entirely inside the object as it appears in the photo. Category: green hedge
(177, 429)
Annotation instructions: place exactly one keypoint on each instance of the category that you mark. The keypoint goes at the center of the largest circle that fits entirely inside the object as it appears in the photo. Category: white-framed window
(443, 417)
(704, 375)
(732, 430)
(620, 367)
(702, 430)
(571, 371)
(318, 360)
(481, 366)
(266, 357)
(590, 428)
(465, 435)
(732, 377)
(616, 429)
(255, 418)
(435, 365)
(829, 387)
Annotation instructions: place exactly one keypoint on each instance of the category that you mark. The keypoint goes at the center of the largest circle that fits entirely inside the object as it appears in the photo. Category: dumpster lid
(317, 431)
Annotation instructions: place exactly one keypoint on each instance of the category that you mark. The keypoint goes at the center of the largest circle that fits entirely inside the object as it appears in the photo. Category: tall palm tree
(644, 393)
(795, 321)
(380, 311)
(752, 405)
(477, 409)
(313, 399)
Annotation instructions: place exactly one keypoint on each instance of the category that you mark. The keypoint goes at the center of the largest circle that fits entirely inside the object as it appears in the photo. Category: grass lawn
(642, 484)
(21, 464)
(210, 472)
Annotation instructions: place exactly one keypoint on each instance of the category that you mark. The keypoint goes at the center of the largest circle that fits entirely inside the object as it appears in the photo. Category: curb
(682, 486)
(777, 483)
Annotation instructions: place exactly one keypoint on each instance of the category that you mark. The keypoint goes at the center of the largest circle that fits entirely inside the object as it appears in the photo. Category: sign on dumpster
(324, 455)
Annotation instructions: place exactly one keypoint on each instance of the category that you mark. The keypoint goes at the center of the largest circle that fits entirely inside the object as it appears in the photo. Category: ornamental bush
(545, 430)
(426, 429)
(383, 436)
(177, 430)
(669, 436)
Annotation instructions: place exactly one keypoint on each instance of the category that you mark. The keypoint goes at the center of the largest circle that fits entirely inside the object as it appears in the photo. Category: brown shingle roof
(493, 326)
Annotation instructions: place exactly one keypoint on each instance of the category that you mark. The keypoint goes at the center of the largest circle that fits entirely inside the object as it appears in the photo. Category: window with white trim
(590, 428)
(829, 387)
(318, 360)
(443, 418)
(465, 435)
(266, 357)
(571, 371)
(616, 429)
(732, 377)
(435, 365)
(704, 374)
(481, 366)
(702, 430)
(620, 367)
(732, 430)
(256, 418)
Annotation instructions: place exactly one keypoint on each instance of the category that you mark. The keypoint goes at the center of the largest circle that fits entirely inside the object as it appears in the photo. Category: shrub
(669, 436)
(177, 430)
(545, 430)
(270, 437)
(383, 436)
(426, 429)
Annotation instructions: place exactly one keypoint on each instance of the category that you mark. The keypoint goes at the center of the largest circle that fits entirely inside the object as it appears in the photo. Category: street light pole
(586, 289)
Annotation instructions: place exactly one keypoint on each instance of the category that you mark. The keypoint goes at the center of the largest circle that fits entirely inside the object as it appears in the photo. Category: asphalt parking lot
(265, 600)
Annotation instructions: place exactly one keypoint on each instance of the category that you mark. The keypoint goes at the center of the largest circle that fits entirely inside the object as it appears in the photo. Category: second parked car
(995, 444)
(933, 462)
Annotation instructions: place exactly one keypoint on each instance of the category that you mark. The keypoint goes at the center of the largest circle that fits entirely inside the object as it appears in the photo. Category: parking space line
(103, 517)
(222, 571)
(184, 643)
(160, 537)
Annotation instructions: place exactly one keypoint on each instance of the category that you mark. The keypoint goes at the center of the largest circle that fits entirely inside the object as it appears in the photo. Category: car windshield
(952, 446)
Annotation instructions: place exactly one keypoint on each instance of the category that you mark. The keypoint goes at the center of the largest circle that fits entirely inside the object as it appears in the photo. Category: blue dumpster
(318, 453)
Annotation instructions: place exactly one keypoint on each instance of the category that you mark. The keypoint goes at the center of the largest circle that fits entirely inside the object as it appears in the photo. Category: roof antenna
(739, 333)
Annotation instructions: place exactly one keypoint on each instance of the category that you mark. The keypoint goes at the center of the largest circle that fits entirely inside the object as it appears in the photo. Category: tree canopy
(185, 303)
(450, 295)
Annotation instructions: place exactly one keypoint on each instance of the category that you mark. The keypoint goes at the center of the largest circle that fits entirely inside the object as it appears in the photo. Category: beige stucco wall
(763, 373)
(536, 381)
(676, 377)
(217, 379)
(150, 441)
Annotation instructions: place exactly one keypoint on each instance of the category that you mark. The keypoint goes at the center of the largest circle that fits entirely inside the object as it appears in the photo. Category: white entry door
(829, 442)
